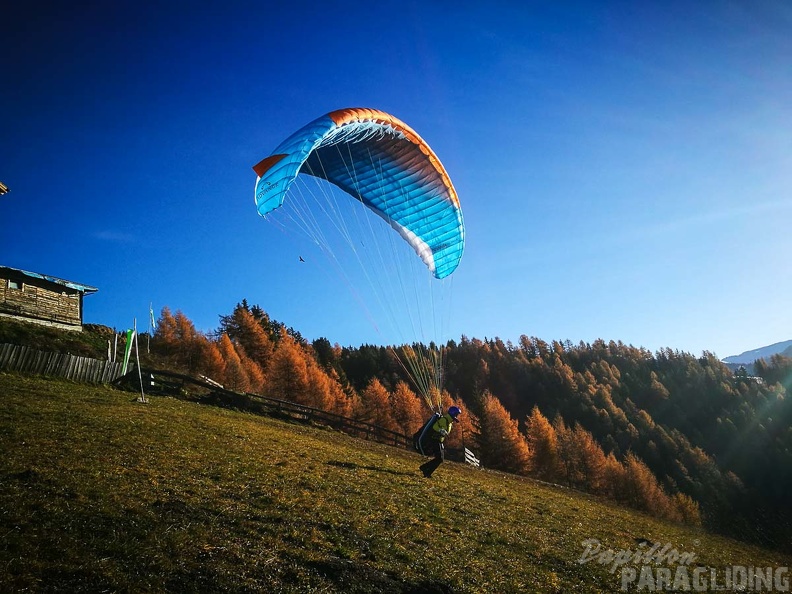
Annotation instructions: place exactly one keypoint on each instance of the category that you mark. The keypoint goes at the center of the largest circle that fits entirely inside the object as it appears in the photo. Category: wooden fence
(24, 359)
(471, 459)
(209, 392)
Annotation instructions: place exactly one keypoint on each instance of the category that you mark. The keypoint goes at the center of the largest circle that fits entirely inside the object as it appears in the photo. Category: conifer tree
(288, 372)
(641, 489)
(613, 477)
(236, 377)
(165, 334)
(245, 329)
(543, 443)
(375, 406)
(502, 445)
(567, 460)
(324, 393)
(344, 398)
(590, 459)
(408, 409)
(687, 509)
(177, 339)
(210, 361)
(657, 391)
(253, 370)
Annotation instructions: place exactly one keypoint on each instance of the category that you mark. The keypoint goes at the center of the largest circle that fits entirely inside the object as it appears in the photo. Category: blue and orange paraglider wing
(382, 162)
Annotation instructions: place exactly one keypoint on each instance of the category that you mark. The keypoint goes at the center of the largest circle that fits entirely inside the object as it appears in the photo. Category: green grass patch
(101, 493)
(91, 342)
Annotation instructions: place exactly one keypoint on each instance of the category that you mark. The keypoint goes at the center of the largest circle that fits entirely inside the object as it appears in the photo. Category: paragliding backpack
(422, 433)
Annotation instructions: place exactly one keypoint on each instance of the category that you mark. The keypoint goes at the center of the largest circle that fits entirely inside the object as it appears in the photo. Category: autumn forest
(675, 435)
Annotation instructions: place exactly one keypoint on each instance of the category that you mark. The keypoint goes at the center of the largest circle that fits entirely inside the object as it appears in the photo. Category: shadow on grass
(353, 466)
(354, 577)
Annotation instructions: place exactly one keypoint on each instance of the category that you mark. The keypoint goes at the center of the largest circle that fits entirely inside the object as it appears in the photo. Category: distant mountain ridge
(748, 357)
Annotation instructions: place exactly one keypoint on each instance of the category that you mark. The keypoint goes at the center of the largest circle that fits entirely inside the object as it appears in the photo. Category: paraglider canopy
(381, 161)
(380, 168)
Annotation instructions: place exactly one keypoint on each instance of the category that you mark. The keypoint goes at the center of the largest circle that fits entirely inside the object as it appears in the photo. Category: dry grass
(100, 493)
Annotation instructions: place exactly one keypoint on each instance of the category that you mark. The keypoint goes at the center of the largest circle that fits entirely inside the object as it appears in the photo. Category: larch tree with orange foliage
(253, 370)
(210, 361)
(687, 509)
(288, 372)
(641, 489)
(613, 477)
(236, 377)
(582, 462)
(543, 442)
(375, 406)
(244, 329)
(345, 399)
(502, 445)
(324, 392)
(568, 461)
(178, 340)
(296, 376)
(408, 409)
(165, 334)
(591, 458)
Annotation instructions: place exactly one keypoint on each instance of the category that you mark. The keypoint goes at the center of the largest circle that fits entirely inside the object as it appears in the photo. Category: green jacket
(444, 423)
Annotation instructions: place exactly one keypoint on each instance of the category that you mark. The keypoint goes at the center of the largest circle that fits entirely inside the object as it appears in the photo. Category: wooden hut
(43, 299)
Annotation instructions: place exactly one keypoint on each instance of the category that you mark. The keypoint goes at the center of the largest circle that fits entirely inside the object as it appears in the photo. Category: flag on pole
(127, 350)
(151, 317)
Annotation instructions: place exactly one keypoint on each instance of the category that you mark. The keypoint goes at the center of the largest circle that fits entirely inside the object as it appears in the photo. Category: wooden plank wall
(41, 302)
(23, 359)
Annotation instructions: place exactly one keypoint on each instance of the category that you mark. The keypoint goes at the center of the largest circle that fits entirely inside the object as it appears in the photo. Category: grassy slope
(98, 492)
(91, 342)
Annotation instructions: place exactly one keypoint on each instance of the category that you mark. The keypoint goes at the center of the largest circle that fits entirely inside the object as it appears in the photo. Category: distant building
(42, 299)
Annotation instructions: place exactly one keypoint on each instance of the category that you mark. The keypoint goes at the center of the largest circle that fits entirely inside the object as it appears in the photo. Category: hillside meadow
(101, 493)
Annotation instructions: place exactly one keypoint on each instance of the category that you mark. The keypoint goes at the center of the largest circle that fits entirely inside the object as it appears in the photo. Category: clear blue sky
(625, 168)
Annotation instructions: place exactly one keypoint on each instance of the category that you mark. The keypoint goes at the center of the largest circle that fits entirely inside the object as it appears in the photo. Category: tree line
(676, 435)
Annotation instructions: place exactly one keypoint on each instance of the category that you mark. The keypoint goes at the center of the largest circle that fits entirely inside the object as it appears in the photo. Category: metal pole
(140, 373)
